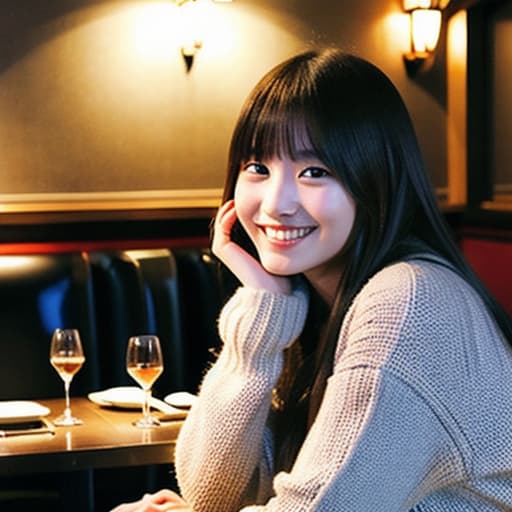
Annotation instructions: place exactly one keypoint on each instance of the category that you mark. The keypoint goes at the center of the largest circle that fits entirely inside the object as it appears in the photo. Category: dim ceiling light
(425, 27)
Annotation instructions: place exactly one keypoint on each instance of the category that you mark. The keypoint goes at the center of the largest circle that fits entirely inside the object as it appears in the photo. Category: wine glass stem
(147, 397)
(67, 411)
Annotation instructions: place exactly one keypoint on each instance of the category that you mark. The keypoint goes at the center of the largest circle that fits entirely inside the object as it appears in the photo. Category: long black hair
(359, 127)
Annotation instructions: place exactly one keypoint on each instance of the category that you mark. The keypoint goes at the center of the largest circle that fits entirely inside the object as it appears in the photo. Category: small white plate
(126, 397)
(180, 399)
(19, 411)
(131, 397)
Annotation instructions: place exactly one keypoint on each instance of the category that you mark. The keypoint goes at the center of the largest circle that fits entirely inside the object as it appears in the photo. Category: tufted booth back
(163, 313)
(201, 297)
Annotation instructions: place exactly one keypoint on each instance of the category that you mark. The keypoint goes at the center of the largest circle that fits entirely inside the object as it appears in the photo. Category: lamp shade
(425, 29)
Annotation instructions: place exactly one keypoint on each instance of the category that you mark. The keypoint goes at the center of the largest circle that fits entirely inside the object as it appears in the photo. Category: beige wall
(94, 96)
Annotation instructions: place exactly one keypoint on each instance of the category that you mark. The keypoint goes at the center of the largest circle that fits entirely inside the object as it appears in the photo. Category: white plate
(180, 399)
(127, 397)
(19, 411)
(131, 397)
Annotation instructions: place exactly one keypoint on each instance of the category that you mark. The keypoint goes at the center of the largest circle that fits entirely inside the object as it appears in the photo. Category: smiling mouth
(286, 235)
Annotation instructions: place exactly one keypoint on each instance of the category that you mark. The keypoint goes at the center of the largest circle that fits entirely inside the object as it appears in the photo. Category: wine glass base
(147, 422)
(67, 421)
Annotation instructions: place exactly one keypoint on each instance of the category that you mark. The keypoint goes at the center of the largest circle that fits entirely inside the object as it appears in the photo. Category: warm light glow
(162, 27)
(18, 262)
(185, 2)
(458, 36)
(456, 107)
(410, 5)
(398, 33)
(194, 20)
(426, 26)
(154, 31)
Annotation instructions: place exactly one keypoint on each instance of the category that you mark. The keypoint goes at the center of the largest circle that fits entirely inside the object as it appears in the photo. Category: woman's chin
(279, 268)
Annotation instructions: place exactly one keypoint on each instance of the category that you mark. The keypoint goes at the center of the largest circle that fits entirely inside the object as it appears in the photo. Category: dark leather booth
(108, 296)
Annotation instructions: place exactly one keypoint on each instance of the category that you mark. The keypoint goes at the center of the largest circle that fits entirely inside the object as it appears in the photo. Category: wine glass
(144, 364)
(67, 357)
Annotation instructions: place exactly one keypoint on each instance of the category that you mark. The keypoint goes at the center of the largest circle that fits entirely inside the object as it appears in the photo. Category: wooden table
(106, 439)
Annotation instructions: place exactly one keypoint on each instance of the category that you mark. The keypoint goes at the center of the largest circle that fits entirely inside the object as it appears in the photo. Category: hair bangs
(280, 123)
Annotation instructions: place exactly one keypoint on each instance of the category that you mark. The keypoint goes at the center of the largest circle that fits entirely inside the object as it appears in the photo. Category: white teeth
(287, 234)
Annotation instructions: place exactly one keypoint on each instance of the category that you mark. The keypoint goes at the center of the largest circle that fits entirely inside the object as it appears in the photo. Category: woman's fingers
(161, 501)
(167, 496)
(230, 253)
(224, 221)
(245, 267)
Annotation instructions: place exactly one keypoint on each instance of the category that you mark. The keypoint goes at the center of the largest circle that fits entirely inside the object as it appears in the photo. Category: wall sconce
(193, 20)
(425, 27)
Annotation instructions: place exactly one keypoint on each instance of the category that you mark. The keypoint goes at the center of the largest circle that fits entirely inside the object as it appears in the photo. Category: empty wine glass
(144, 364)
(67, 357)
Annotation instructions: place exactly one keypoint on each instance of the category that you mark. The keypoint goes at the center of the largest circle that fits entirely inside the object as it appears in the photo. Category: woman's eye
(314, 172)
(256, 168)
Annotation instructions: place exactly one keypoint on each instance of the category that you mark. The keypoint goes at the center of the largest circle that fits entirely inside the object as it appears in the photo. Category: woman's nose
(280, 198)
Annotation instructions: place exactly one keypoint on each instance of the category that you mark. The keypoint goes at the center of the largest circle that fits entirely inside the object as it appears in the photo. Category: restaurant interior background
(101, 124)
(106, 135)
(111, 139)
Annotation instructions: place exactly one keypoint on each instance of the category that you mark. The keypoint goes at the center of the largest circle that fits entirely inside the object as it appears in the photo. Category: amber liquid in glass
(144, 375)
(67, 366)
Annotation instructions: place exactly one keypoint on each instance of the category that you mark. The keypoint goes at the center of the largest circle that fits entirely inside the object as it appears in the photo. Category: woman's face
(296, 213)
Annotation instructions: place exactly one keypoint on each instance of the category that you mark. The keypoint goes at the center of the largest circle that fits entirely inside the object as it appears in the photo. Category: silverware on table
(22, 429)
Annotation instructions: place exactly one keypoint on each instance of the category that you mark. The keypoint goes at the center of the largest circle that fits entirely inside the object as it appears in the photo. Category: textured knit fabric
(417, 414)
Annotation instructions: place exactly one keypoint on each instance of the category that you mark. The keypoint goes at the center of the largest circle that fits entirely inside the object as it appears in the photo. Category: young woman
(364, 367)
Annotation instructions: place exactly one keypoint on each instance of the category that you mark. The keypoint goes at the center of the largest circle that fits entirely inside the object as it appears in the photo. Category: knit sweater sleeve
(221, 449)
(377, 443)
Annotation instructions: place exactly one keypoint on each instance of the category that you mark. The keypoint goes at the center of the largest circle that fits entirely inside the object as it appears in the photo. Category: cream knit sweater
(417, 414)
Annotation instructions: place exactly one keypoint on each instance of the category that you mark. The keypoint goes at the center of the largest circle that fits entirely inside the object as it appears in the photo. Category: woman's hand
(246, 268)
(160, 501)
